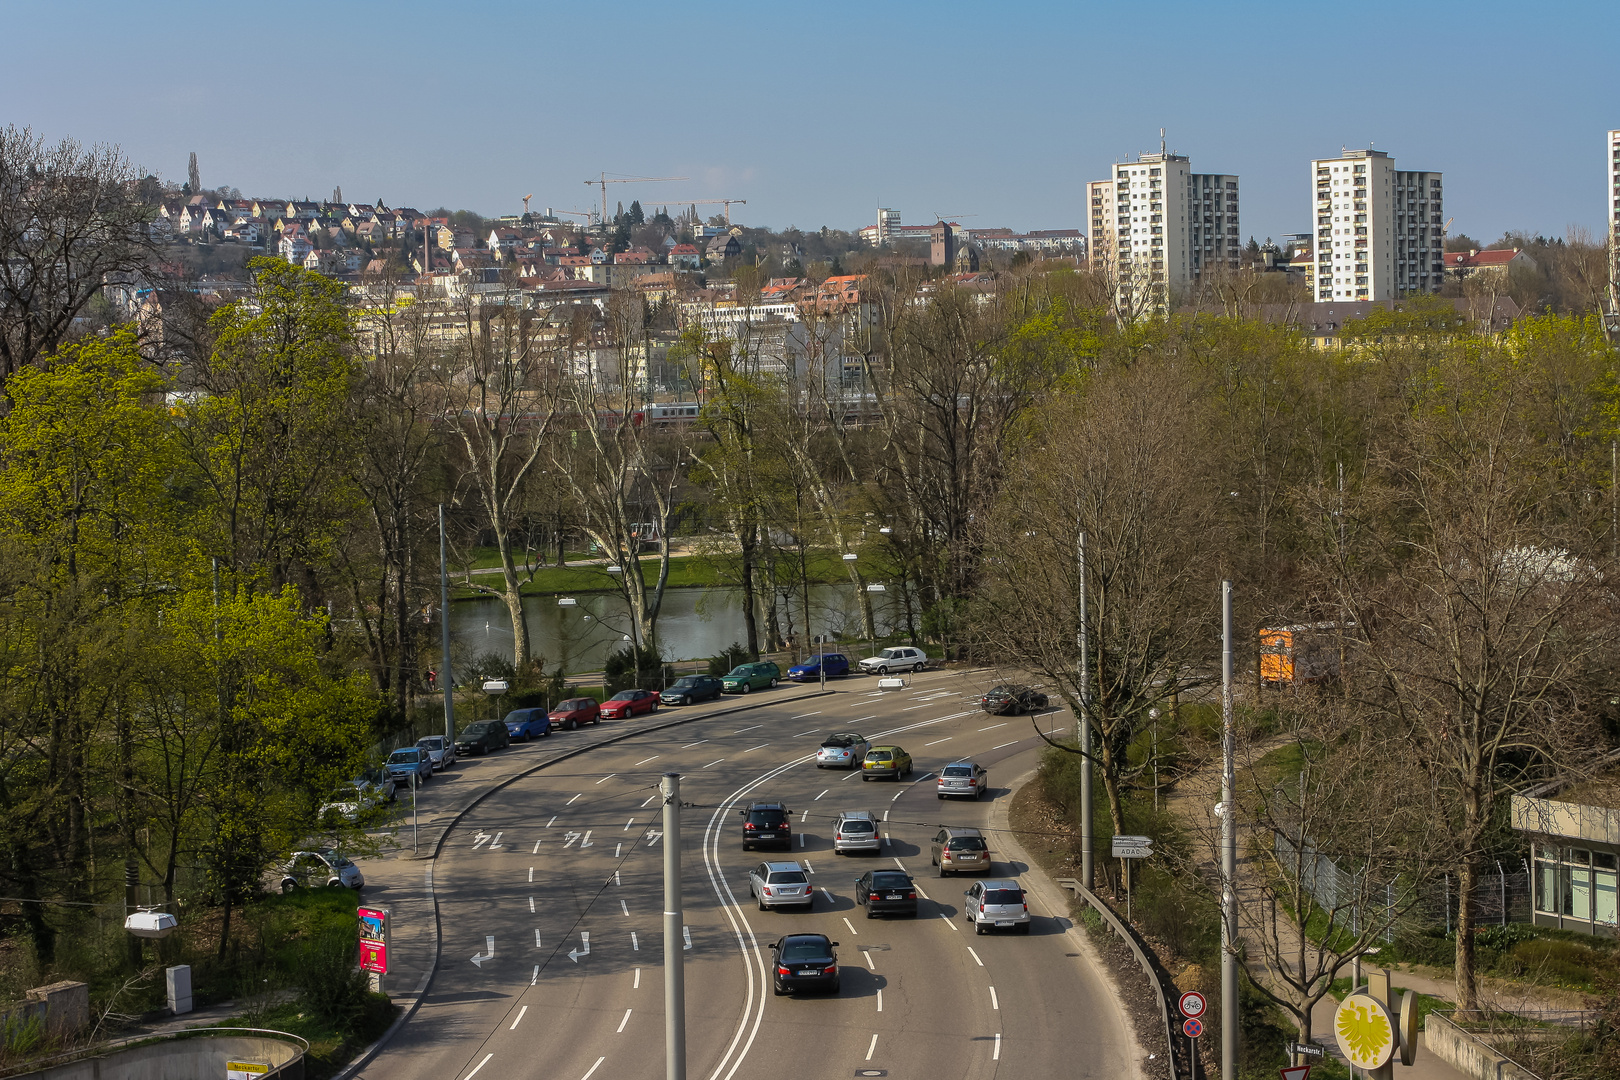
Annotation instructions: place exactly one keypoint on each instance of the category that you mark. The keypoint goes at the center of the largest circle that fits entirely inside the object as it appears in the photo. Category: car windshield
(855, 825)
(957, 770)
(891, 880)
(879, 755)
(805, 950)
(571, 705)
(405, 756)
(686, 683)
(628, 695)
(1003, 896)
(477, 729)
(741, 670)
(517, 716)
(967, 843)
(431, 742)
(788, 877)
(346, 794)
(334, 859)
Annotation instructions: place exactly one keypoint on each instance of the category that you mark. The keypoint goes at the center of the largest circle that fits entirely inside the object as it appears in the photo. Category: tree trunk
(745, 537)
(1467, 991)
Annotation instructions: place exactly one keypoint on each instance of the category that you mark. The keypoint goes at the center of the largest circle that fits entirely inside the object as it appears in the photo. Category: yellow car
(889, 761)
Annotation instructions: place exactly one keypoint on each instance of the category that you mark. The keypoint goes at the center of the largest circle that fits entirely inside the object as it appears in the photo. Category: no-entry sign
(1192, 1003)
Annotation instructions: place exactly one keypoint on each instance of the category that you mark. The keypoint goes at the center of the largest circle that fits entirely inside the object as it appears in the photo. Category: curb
(351, 1071)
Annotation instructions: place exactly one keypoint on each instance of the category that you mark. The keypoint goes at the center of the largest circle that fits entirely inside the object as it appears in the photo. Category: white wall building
(1380, 232)
(1611, 200)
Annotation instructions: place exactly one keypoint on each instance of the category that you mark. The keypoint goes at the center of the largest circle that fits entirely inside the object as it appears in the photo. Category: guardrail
(1178, 1047)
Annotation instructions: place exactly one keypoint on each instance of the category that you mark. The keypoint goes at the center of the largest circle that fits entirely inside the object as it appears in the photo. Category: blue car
(409, 760)
(837, 664)
(525, 724)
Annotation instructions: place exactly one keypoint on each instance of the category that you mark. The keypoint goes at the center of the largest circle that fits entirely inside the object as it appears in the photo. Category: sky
(817, 114)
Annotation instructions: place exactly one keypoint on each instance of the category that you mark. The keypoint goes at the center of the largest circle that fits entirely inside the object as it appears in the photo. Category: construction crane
(603, 180)
(713, 202)
(526, 199)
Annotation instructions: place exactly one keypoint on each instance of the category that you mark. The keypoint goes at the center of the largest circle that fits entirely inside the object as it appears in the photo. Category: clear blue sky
(818, 113)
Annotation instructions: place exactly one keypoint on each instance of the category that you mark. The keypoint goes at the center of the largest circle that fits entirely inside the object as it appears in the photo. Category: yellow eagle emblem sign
(1365, 1031)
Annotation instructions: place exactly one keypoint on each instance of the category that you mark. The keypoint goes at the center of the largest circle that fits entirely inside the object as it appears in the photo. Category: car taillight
(748, 825)
(768, 891)
(782, 970)
(830, 969)
(911, 895)
(981, 907)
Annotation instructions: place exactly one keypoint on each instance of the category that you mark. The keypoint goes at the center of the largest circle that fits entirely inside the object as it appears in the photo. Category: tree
(192, 176)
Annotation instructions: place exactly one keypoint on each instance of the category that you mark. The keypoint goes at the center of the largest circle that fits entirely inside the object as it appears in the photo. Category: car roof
(885, 746)
(857, 814)
(1000, 883)
(768, 804)
(776, 867)
(820, 939)
(958, 761)
(953, 831)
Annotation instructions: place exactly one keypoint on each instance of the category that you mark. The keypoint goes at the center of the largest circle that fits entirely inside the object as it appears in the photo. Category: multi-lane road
(550, 898)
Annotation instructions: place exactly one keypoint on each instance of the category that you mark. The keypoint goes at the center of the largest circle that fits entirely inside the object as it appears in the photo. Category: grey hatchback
(963, 778)
(996, 904)
(781, 884)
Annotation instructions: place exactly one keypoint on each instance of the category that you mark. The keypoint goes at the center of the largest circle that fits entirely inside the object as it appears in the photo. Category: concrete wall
(1467, 1053)
(63, 1008)
(201, 1057)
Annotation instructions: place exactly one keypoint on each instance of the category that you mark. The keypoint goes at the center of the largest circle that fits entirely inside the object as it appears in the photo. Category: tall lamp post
(875, 587)
(495, 688)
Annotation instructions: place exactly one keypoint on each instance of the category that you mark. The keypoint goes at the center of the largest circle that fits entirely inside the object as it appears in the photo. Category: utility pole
(444, 638)
(1229, 943)
(1087, 865)
(674, 955)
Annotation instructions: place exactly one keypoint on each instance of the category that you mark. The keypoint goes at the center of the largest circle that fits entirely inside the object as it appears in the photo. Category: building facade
(1380, 231)
(1611, 200)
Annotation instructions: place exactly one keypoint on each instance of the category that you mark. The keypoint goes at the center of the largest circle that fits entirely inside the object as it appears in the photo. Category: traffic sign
(1192, 1003)
(1193, 1027)
(1295, 1072)
(1132, 847)
(1307, 1049)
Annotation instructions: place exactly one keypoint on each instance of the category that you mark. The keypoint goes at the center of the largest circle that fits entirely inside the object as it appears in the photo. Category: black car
(885, 892)
(692, 688)
(481, 737)
(1012, 698)
(805, 962)
(766, 823)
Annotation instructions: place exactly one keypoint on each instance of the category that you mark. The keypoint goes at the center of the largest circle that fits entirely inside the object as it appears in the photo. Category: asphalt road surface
(551, 906)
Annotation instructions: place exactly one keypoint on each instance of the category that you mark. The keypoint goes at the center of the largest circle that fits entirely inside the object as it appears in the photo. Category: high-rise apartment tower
(1380, 232)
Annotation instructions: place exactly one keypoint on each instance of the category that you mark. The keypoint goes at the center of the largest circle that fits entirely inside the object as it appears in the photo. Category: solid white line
(976, 959)
(920, 893)
(609, 776)
(995, 1054)
(992, 727)
(593, 1068)
(689, 745)
(623, 1022)
(880, 1001)
(853, 773)
(827, 894)
(644, 760)
(716, 761)
(994, 1004)
(817, 799)
(802, 715)
(924, 705)
(761, 746)
(750, 727)
(802, 734)
(936, 742)
(900, 864)
(625, 908)
(481, 1064)
(650, 798)
(851, 926)
(1015, 742)
(862, 719)
(616, 849)
(519, 1017)
(870, 1050)
(537, 937)
(868, 959)
(570, 802)
(885, 815)
(637, 984)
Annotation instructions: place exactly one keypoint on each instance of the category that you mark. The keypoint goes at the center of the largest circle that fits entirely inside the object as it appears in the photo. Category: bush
(1565, 962)
(490, 665)
(332, 987)
(735, 654)
(631, 668)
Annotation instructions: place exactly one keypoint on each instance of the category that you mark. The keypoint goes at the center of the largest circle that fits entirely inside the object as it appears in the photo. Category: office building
(1380, 231)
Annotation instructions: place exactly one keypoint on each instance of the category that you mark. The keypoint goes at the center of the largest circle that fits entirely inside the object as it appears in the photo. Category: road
(550, 898)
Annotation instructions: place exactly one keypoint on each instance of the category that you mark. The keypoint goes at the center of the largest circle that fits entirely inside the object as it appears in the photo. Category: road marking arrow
(686, 936)
(652, 836)
(479, 958)
(495, 843)
(569, 838)
(583, 950)
(480, 839)
(587, 841)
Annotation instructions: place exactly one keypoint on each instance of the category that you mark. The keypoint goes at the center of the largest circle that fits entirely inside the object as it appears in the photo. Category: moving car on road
(856, 830)
(842, 750)
(692, 688)
(766, 823)
(1012, 698)
(889, 761)
(482, 736)
(525, 724)
(576, 712)
(409, 760)
(746, 677)
(964, 778)
(629, 703)
(312, 869)
(781, 884)
(997, 904)
(956, 850)
(836, 665)
(899, 658)
(885, 892)
(804, 962)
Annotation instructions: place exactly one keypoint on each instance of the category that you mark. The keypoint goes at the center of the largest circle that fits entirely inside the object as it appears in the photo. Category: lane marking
(519, 1017)
(689, 745)
(686, 938)
(801, 839)
(851, 926)
(863, 719)
(900, 864)
(644, 760)
(750, 727)
(853, 773)
(635, 946)
(924, 705)
(870, 1050)
(568, 840)
(531, 875)
(716, 761)
(637, 984)
(920, 893)
(616, 848)
(531, 905)
(480, 1065)
(537, 937)
(629, 823)
(570, 802)
(651, 836)
(949, 922)
(624, 907)
(992, 727)
(897, 796)
(552, 822)
(802, 734)
(585, 843)
(869, 963)
(643, 806)
(496, 842)
(592, 1069)
(975, 956)
(536, 850)
(816, 799)
(609, 776)
(761, 746)
(936, 742)
(481, 838)
(994, 1004)
(886, 818)
(807, 866)
(880, 1001)
(802, 715)
(616, 880)
(536, 976)
(1015, 742)
(623, 1022)
(995, 1054)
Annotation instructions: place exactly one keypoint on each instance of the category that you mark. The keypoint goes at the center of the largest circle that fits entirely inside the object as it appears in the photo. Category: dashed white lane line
(750, 727)
(531, 874)
(807, 866)
(644, 760)
(861, 719)
(537, 937)
(812, 731)
(1015, 742)
(650, 798)
(686, 938)
(609, 776)
(716, 761)
(870, 1050)
(536, 850)
(805, 815)
(992, 727)
(994, 1004)
(552, 822)
(851, 926)
(920, 893)
(827, 894)
(924, 705)
(624, 907)
(869, 963)
(629, 823)
(802, 715)
(637, 984)
(570, 802)
(535, 978)
(995, 1053)
(975, 955)
(880, 1001)
(531, 905)
(481, 1064)
(853, 773)
(519, 1018)
(816, 799)
(635, 943)
(897, 796)
(616, 880)
(623, 1022)
(761, 746)
(936, 742)
(689, 745)
(900, 864)
(801, 839)
(950, 922)
(593, 1068)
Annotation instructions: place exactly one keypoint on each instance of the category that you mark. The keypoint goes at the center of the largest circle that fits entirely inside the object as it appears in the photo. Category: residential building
(721, 248)
(1036, 241)
(1574, 833)
(294, 247)
(1611, 201)
(1333, 324)
(1380, 231)
(1156, 226)
(1465, 264)
(685, 257)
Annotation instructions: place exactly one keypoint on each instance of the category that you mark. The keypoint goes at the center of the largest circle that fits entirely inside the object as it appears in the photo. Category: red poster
(374, 957)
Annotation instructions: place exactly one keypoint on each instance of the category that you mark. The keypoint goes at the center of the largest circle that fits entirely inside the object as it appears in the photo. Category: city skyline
(992, 119)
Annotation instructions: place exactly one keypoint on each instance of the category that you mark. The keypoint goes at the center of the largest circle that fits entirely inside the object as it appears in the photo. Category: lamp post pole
(1087, 862)
(1229, 943)
(674, 955)
(444, 636)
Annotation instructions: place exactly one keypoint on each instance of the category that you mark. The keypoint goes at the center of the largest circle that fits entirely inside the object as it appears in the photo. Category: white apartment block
(1611, 199)
(1380, 232)
(1157, 226)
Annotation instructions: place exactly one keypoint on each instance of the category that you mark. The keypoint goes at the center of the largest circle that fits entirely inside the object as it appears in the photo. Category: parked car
(964, 778)
(1012, 698)
(899, 658)
(836, 665)
(998, 904)
(884, 892)
(408, 761)
(842, 750)
(440, 750)
(856, 830)
(692, 688)
(955, 850)
(482, 736)
(525, 724)
(630, 703)
(312, 869)
(804, 962)
(766, 822)
(890, 761)
(355, 800)
(781, 884)
(576, 712)
(745, 677)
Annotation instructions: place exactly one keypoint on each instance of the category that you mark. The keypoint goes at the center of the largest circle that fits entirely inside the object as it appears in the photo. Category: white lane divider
(801, 839)
(949, 922)
(537, 937)
(863, 719)
(994, 1004)
(584, 946)
(608, 777)
(812, 731)
(869, 963)
(750, 727)
(686, 938)
(1004, 745)
(975, 956)
(616, 880)
(629, 823)
(802, 715)
(552, 822)
(995, 1054)
(853, 773)
(625, 908)
(635, 943)
(531, 905)
(637, 984)
(870, 1050)
(992, 727)
(900, 864)
(716, 761)
(644, 760)
(805, 814)
(649, 799)
(535, 978)
(623, 1022)
(479, 958)
(616, 849)
(570, 802)
(807, 866)
(920, 893)
(761, 746)
(480, 1065)
(880, 1001)
(519, 1018)
(592, 1069)
(936, 742)
(531, 875)
(689, 745)
(817, 799)
(536, 850)
(847, 923)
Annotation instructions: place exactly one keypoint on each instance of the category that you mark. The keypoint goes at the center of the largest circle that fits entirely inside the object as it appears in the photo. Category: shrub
(734, 654)
(630, 667)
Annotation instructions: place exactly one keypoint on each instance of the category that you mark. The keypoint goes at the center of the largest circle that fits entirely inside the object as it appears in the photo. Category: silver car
(781, 884)
(856, 830)
(440, 750)
(842, 750)
(963, 778)
(999, 904)
(313, 869)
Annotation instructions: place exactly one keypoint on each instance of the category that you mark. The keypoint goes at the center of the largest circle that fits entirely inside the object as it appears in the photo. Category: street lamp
(495, 688)
(875, 587)
(1153, 715)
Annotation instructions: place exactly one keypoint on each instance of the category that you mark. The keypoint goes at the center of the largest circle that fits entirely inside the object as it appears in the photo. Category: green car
(745, 677)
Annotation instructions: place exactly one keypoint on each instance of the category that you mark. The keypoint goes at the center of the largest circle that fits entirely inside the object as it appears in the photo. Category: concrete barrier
(196, 1054)
(1468, 1053)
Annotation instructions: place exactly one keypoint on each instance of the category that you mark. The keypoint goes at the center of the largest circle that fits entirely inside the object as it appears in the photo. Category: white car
(899, 658)
(440, 750)
(842, 750)
(996, 904)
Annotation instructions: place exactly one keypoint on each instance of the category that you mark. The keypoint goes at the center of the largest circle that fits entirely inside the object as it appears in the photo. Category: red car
(630, 703)
(575, 712)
